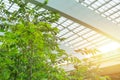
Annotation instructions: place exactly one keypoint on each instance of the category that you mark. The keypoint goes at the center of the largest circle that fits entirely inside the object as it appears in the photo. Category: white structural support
(75, 11)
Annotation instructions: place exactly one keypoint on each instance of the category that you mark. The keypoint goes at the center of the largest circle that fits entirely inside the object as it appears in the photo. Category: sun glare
(109, 47)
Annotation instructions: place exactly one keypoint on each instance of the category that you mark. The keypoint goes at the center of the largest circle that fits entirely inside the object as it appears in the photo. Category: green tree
(29, 46)
(85, 70)
(29, 49)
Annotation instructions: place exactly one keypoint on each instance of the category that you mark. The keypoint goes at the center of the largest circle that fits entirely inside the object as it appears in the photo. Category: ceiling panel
(110, 9)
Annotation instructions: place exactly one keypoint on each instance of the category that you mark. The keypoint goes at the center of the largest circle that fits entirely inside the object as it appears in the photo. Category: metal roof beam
(81, 14)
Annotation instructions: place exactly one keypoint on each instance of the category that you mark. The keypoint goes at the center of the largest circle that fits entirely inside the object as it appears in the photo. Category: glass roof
(79, 36)
(108, 59)
(109, 9)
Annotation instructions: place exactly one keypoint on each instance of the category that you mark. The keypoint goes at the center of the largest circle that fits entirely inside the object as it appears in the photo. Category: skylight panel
(106, 0)
(62, 19)
(95, 6)
(84, 31)
(119, 12)
(71, 38)
(76, 40)
(98, 39)
(67, 35)
(97, 12)
(110, 11)
(92, 0)
(7, 4)
(118, 7)
(60, 27)
(91, 8)
(87, 1)
(78, 29)
(63, 32)
(75, 24)
(115, 9)
(84, 4)
(66, 23)
(106, 8)
(30, 5)
(101, 1)
(54, 25)
(93, 37)
(112, 3)
(41, 10)
(115, 15)
(117, 1)
(67, 45)
(13, 8)
(107, 13)
(101, 9)
(84, 46)
(71, 27)
(118, 20)
(88, 34)
(103, 42)
(97, 3)
(80, 43)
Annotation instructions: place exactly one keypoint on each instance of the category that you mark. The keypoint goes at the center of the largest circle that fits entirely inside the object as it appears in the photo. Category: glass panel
(85, 45)
(70, 38)
(76, 40)
(101, 1)
(62, 19)
(97, 3)
(87, 1)
(66, 23)
(54, 25)
(63, 32)
(106, 8)
(60, 27)
(98, 39)
(93, 37)
(80, 43)
(84, 31)
(78, 29)
(72, 26)
(103, 42)
(67, 35)
(89, 34)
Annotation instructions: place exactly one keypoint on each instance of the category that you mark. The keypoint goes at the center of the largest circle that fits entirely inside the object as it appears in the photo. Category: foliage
(29, 45)
(87, 51)
(29, 49)
(85, 70)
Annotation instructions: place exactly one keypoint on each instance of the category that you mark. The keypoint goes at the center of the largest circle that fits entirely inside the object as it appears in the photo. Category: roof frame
(70, 9)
